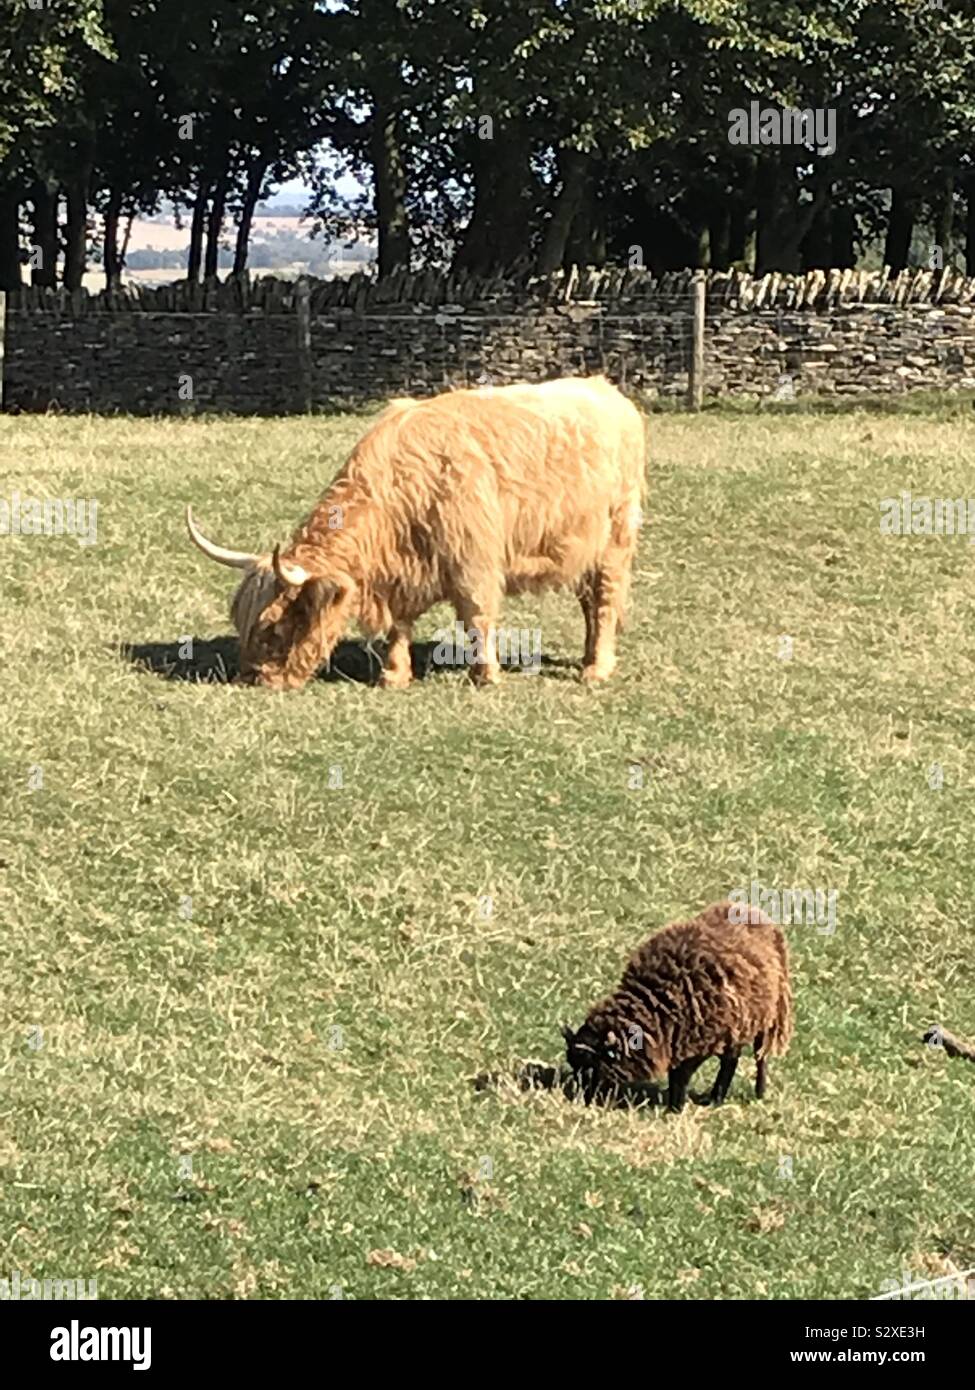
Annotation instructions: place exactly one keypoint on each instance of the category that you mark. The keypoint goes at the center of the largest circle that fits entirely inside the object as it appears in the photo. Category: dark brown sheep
(697, 989)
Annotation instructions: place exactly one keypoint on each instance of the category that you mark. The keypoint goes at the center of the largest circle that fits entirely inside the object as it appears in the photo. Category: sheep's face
(605, 1053)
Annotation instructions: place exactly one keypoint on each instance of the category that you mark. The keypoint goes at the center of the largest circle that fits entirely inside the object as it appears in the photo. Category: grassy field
(257, 946)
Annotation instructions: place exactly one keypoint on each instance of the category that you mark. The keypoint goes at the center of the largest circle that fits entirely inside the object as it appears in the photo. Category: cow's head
(287, 615)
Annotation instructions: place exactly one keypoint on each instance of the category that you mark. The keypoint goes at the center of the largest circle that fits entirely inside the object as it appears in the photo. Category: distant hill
(280, 242)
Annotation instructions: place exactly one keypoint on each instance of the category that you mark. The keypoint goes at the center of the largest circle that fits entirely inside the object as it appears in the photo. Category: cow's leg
(399, 667)
(587, 598)
(612, 584)
(480, 621)
(601, 659)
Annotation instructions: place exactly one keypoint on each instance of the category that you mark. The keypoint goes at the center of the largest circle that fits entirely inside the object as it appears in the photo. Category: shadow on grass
(217, 661)
(540, 1076)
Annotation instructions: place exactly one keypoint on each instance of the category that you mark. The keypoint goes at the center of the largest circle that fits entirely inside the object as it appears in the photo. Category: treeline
(276, 250)
(492, 134)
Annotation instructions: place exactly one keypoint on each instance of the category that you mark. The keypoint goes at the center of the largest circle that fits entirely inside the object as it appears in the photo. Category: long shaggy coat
(460, 498)
(697, 989)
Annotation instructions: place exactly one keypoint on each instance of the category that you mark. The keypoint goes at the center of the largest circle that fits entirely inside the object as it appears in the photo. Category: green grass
(357, 908)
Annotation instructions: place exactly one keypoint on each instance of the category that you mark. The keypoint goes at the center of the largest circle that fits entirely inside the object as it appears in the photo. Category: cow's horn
(287, 571)
(237, 559)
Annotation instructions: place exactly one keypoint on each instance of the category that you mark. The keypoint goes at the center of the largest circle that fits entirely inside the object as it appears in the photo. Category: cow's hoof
(595, 675)
(394, 680)
(486, 675)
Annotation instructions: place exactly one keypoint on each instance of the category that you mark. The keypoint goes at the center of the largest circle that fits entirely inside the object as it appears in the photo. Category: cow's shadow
(216, 660)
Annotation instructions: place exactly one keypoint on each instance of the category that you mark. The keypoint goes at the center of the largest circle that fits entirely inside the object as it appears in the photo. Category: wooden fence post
(695, 374)
(3, 338)
(303, 311)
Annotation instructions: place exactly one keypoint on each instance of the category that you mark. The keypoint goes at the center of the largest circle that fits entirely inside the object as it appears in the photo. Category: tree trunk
(9, 238)
(194, 260)
(499, 232)
(719, 235)
(776, 248)
(572, 171)
(741, 234)
(44, 232)
(125, 240)
(900, 228)
(255, 178)
(110, 252)
(587, 238)
(944, 218)
(218, 203)
(783, 223)
(817, 246)
(843, 239)
(76, 239)
(389, 176)
(598, 231)
(970, 226)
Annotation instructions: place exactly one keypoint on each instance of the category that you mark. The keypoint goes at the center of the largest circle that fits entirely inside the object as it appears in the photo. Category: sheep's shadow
(541, 1076)
(216, 660)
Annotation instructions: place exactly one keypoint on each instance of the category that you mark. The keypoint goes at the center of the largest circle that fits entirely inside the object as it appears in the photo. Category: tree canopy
(490, 134)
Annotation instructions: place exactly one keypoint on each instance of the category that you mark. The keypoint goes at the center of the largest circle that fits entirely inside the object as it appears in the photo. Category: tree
(44, 54)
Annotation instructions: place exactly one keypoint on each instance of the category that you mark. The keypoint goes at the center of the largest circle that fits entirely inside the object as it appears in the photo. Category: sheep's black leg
(677, 1082)
(759, 1068)
(729, 1061)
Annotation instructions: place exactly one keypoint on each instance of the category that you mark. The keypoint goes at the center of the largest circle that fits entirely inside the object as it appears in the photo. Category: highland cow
(698, 989)
(459, 499)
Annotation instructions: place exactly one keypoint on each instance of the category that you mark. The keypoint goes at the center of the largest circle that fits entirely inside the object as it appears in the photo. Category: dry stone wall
(236, 346)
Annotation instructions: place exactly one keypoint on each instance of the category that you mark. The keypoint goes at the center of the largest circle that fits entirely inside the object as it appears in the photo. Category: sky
(296, 191)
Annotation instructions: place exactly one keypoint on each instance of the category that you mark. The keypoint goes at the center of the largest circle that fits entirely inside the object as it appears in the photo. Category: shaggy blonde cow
(459, 499)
